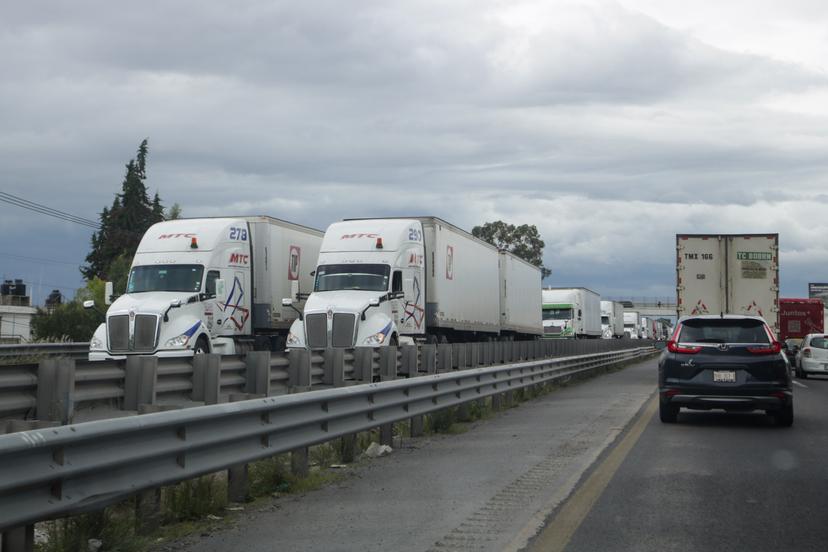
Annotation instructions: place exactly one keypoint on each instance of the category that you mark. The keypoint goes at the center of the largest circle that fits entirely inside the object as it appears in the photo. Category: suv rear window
(819, 342)
(723, 331)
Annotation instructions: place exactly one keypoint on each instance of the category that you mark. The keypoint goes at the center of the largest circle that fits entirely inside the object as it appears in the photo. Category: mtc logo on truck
(168, 236)
(352, 236)
(238, 258)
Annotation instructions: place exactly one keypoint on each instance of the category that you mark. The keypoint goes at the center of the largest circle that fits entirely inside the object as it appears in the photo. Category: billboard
(818, 291)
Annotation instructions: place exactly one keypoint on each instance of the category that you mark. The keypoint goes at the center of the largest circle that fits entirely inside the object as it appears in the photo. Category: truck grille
(343, 330)
(143, 337)
(118, 330)
(145, 331)
(316, 326)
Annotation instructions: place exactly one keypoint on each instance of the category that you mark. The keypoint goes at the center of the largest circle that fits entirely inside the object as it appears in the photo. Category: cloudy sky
(611, 125)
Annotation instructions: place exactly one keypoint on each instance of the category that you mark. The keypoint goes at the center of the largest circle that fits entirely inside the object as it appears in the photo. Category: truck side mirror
(89, 304)
(220, 289)
(175, 303)
(287, 302)
(108, 293)
(374, 302)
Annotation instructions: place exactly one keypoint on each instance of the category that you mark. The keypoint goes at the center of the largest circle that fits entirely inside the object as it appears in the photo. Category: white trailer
(571, 313)
(632, 324)
(612, 319)
(520, 296)
(209, 285)
(382, 280)
(728, 274)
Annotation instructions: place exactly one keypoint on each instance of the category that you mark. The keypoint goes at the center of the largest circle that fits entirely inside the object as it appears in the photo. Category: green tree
(523, 241)
(124, 223)
(70, 321)
(174, 212)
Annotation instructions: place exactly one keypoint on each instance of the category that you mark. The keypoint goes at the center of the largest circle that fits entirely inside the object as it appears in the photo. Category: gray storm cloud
(606, 127)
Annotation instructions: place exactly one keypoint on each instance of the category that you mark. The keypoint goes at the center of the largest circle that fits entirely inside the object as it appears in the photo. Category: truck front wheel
(201, 346)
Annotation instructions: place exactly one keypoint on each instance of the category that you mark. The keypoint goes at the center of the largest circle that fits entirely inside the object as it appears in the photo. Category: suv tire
(667, 413)
(785, 416)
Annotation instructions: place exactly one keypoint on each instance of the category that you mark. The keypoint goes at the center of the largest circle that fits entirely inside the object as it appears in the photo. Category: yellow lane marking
(557, 534)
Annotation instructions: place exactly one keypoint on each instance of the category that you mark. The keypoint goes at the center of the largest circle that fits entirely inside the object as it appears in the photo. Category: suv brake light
(674, 347)
(806, 352)
(771, 349)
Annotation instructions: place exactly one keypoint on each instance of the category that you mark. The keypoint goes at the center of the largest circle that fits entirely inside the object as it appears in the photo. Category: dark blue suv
(725, 362)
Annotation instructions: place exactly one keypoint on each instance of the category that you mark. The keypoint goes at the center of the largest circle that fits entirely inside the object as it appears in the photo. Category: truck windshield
(557, 314)
(366, 277)
(165, 278)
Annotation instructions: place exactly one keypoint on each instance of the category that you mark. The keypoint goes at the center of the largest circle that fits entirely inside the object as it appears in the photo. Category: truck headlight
(375, 339)
(178, 341)
(95, 344)
(293, 339)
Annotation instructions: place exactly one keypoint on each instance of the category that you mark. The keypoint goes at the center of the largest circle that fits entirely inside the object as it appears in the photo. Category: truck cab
(188, 292)
(369, 287)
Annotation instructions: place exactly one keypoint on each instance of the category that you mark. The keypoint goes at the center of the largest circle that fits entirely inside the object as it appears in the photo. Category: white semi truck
(632, 325)
(572, 313)
(728, 274)
(612, 319)
(387, 281)
(209, 285)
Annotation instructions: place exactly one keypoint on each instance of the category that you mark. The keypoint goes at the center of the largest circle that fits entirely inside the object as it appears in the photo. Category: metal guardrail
(58, 389)
(28, 350)
(60, 471)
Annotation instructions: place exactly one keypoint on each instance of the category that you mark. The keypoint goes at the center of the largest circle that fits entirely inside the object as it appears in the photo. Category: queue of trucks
(228, 285)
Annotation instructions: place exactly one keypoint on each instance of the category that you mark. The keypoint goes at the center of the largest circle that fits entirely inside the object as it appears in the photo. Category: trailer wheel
(201, 346)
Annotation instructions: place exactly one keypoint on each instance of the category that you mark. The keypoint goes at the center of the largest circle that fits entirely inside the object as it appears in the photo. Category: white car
(812, 357)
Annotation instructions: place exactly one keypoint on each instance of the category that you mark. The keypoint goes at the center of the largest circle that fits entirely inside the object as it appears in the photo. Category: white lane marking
(800, 384)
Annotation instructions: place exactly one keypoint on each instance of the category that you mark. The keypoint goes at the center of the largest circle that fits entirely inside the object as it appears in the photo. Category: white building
(16, 313)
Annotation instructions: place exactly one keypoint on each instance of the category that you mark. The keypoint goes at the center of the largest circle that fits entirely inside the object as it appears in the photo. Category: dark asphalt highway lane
(714, 481)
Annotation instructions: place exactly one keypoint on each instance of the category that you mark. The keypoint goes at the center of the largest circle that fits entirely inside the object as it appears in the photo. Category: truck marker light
(379, 243)
(193, 243)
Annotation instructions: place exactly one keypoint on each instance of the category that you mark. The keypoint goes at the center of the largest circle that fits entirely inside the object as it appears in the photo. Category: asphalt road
(711, 482)
(490, 488)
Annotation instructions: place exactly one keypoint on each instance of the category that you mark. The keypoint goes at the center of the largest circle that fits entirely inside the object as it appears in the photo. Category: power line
(43, 209)
(36, 259)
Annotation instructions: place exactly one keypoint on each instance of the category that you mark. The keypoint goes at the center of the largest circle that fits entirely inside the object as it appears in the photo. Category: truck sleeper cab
(383, 281)
(206, 285)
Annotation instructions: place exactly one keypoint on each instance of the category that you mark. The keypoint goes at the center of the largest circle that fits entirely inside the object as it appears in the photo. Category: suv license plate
(727, 376)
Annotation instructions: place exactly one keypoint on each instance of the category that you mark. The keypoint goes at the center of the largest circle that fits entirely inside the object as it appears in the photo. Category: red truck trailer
(800, 317)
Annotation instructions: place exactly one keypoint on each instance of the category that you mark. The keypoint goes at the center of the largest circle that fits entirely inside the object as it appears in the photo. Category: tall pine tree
(123, 224)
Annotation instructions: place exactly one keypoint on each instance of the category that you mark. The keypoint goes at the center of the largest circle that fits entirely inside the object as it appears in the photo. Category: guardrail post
(17, 539)
(56, 390)
(347, 448)
(147, 511)
(428, 359)
(299, 371)
(206, 378)
(408, 362)
(299, 462)
(388, 363)
(387, 434)
(488, 350)
(364, 364)
(258, 372)
(139, 382)
(334, 367)
(458, 356)
(444, 357)
(238, 483)
(473, 355)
